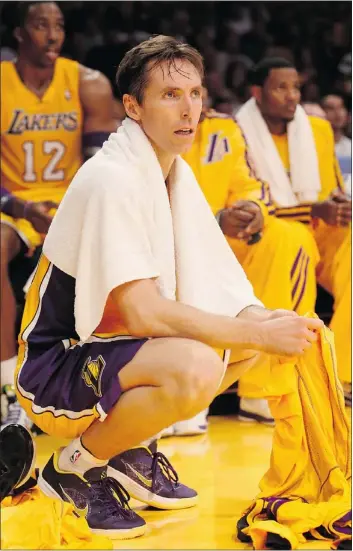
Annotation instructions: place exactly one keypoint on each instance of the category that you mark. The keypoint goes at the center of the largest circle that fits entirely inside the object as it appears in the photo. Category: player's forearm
(174, 319)
(255, 313)
(11, 205)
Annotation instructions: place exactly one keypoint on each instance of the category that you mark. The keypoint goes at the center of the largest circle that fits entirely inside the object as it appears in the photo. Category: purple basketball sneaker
(149, 477)
(101, 500)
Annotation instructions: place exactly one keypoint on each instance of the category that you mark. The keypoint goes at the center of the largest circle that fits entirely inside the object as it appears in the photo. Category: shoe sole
(141, 494)
(247, 417)
(14, 480)
(191, 432)
(31, 468)
(123, 534)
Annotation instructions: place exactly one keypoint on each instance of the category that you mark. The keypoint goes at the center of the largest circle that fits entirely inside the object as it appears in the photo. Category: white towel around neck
(304, 184)
(116, 224)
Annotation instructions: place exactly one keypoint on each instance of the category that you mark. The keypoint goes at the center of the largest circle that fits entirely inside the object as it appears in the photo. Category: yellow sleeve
(301, 213)
(330, 173)
(245, 185)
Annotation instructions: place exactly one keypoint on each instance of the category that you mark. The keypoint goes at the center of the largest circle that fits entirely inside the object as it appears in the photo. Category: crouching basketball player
(109, 354)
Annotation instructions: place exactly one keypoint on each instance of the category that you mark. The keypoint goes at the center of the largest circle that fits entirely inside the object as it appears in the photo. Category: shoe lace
(112, 496)
(14, 413)
(160, 464)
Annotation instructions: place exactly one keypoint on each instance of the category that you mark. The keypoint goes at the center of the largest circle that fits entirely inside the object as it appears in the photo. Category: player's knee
(197, 379)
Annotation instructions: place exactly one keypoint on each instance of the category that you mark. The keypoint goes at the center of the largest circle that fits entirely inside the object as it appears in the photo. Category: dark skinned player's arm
(98, 110)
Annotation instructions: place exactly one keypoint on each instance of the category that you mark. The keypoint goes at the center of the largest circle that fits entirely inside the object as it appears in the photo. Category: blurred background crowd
(232, 36)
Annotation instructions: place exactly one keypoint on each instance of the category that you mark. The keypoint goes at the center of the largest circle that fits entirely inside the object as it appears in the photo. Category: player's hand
(340, 196)
(280, 313)
(242, 220)
(336, 211)
(289, 335)
(38, 215)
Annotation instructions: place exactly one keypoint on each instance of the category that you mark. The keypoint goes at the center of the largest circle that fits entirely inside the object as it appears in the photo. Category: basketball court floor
(224, 466)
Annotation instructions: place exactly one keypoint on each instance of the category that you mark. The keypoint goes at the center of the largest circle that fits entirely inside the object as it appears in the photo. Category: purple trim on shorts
(273, 505)
(56, 320)
(346, 518)
(346, 530)
(337, 525)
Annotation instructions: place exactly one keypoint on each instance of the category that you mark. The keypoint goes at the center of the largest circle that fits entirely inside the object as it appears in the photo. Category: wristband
(27, 206)
(5, 200)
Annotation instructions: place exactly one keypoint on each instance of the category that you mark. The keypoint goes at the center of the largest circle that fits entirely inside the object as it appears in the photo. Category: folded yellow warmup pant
(306, 492)
(35, 521)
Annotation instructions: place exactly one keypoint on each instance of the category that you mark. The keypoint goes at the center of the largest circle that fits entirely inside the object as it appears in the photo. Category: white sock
(8, 368)
(76, 458)
(149, 441)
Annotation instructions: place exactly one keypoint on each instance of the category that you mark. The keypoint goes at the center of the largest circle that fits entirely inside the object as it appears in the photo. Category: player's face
(280, 94)
(171, 106)
(43, 34)
(336, 112)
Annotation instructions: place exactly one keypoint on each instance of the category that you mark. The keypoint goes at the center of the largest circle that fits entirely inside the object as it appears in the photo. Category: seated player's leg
(334, 274)
(281, 268)
(160, 381)
(17, 237)
(10, 248)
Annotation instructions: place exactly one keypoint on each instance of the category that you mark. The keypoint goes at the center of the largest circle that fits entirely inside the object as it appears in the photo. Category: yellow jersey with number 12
(40, 138)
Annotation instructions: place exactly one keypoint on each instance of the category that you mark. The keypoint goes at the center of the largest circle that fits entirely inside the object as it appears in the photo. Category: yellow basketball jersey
(40, 138)
(330, 173)
(221, 162)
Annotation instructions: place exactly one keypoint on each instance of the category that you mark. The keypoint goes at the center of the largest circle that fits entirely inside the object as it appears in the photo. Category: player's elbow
(141, 307)
(142, 324)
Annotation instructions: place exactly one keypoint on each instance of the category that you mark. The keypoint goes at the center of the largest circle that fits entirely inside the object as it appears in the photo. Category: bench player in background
(296, 155)
(55, 113)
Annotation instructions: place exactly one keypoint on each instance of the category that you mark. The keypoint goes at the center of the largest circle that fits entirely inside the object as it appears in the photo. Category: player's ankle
(75, 457)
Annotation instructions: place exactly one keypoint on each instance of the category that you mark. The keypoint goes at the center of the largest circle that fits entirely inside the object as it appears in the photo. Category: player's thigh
(10, 244)
(184, 363)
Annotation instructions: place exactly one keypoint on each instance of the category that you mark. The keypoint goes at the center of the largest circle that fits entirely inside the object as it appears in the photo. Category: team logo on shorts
(92, 374)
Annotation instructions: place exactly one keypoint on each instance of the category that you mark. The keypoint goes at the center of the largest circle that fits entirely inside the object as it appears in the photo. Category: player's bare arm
(98, 106)
(38, 214)
(259, 313)
(146, 313)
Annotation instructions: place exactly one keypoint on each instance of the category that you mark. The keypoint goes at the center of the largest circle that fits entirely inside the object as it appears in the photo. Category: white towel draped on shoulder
(304, 184)
(117, 224)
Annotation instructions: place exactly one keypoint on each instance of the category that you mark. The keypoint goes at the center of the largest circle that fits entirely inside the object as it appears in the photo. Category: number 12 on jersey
(50, 172)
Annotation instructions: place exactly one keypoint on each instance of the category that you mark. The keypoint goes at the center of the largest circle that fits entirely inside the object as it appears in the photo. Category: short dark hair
(23, 9)
(259, 74)
(131, 77)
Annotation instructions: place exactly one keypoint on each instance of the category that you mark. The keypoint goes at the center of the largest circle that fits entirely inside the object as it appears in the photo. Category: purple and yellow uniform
(64, 384)
(40, 139)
